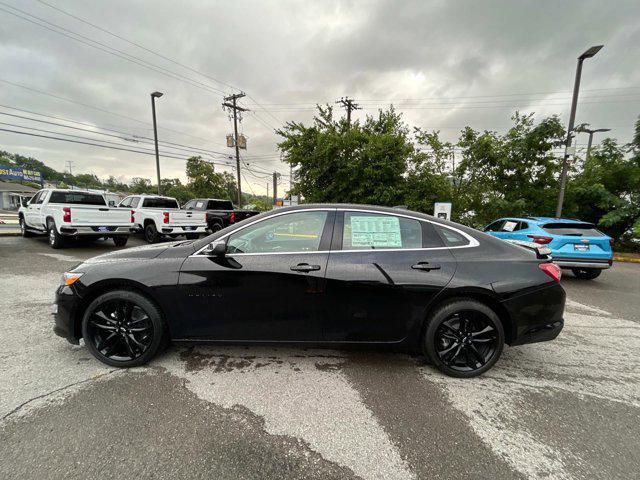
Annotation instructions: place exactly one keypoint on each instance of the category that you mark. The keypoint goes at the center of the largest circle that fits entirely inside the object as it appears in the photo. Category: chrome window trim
(472, 241)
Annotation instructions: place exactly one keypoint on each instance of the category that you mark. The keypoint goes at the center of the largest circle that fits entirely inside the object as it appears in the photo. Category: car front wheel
(464, 338)
(123, 329)
(23, 229)
(586, 273)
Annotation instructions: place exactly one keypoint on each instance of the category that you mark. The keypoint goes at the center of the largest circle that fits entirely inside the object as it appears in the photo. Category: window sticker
(375, 231)
(199, 204)
(509, 226)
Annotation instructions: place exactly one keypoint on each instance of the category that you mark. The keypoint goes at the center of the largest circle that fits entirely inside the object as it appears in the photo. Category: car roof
(542, 219)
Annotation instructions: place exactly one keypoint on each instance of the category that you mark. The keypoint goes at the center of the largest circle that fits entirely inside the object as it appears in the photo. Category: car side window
(135, 201)
(126, 202)
(509, 226)
(34, 199)
(189, 205)
(494, 227)
(367, 231)
(523, 226)
(451, 238)
(41, 197)
(292, 232)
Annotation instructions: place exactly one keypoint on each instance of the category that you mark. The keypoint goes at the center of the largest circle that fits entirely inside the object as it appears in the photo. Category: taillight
(206, 217)
(552, 270)
(540, 239)
(165, 217)
(133, 218)
(66, 214)
(611, 242)
(232, 217)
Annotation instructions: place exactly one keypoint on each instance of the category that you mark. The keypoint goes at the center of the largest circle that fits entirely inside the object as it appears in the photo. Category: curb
(10, 233)
(626, 259)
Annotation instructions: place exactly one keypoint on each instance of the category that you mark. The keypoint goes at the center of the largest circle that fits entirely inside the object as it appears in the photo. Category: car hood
(135, 253)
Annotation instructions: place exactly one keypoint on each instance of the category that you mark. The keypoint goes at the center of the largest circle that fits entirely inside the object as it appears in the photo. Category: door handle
(305, 267)
(425, 266)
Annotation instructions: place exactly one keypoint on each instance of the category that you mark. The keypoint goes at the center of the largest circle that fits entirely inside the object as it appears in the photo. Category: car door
(30, 212)
(383, 271)
(37, 218)
(266, 287)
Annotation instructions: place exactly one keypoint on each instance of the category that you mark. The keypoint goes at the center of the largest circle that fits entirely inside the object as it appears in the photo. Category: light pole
(572, 117)
(583, 128)
(155, 95)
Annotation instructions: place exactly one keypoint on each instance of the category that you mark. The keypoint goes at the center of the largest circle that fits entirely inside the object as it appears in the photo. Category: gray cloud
(307, 52)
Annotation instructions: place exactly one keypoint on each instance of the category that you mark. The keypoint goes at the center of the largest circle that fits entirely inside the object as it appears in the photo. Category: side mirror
(216, 249)
(25, 202)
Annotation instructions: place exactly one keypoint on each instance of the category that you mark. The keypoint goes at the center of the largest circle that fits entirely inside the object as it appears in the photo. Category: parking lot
(559, 410)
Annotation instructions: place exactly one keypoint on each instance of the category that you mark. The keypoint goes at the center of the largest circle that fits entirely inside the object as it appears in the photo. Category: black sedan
(327, 275)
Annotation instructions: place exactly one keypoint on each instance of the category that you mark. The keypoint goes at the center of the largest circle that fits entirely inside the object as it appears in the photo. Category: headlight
(69, 278)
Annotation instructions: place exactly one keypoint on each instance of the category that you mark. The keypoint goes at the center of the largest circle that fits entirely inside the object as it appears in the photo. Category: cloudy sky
(445, 64)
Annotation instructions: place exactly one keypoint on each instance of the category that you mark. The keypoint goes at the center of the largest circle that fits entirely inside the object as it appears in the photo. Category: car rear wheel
(123, 329)
(464, 338)
(55, 239)
(120, 241)
(586, 273)
(151, 234)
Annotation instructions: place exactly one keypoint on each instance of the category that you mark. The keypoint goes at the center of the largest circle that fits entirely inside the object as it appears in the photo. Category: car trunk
(186, 217)
(86, 215)
(578, 240)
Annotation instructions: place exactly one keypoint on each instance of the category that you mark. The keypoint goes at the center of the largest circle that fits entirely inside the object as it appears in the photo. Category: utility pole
(69, 164)
(267, 189)
(572, 117)
(155, 95)
(583, 128)
(349, 105)
(275, 187)
(230, 102)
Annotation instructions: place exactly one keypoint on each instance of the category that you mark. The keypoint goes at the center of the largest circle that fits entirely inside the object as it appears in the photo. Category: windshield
(573, 229)
(158, 202)
(77, 198)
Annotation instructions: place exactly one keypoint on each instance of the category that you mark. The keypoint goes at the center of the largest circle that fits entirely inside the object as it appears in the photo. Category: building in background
(11, 195)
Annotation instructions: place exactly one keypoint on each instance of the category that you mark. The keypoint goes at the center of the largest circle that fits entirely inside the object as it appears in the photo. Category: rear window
(220, 205)
(573, 229)
(451, 238)
(157, 202)
(77, 198)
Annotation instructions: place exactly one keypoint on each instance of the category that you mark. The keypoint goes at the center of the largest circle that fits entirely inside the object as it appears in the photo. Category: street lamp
(583, 128)
(572, 117)
(155, 95)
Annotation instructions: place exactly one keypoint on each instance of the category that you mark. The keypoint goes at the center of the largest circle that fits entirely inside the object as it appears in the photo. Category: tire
(586, 273)
(463, 338)
(215, 227)
(192, 236)
(123, 329)
(151, 234)
(23, 229)
(120, 240)
(55, 239)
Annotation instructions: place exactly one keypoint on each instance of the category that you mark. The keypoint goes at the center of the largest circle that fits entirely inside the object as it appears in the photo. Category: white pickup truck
(65, 214)
(158, 216)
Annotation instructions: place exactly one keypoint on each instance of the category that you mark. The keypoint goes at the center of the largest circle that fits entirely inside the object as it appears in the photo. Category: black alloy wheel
(151, 234)
(464, 338)
(123, 329)
(586, 273)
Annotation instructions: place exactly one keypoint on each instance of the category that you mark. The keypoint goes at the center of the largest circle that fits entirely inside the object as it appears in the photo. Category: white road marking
(301, 394)
(581, 306)
(580, 361)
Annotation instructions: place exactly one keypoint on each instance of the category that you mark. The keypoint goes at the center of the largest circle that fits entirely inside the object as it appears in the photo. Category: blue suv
(575, 245)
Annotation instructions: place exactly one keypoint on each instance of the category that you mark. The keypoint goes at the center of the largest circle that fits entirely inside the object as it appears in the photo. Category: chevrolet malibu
(322, 275)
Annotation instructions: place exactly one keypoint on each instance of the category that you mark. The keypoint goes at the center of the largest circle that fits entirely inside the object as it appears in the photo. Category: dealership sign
(19, 173)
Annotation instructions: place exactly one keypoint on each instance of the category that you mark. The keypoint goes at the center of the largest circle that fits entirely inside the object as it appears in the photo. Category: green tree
(140, 185)
(205, 182)
(357, 163)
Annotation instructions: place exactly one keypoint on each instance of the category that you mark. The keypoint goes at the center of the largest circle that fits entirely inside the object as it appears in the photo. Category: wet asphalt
(564, 409)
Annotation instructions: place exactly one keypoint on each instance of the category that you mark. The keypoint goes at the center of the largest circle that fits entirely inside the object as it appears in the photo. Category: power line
(106, 48)
(102, 29)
